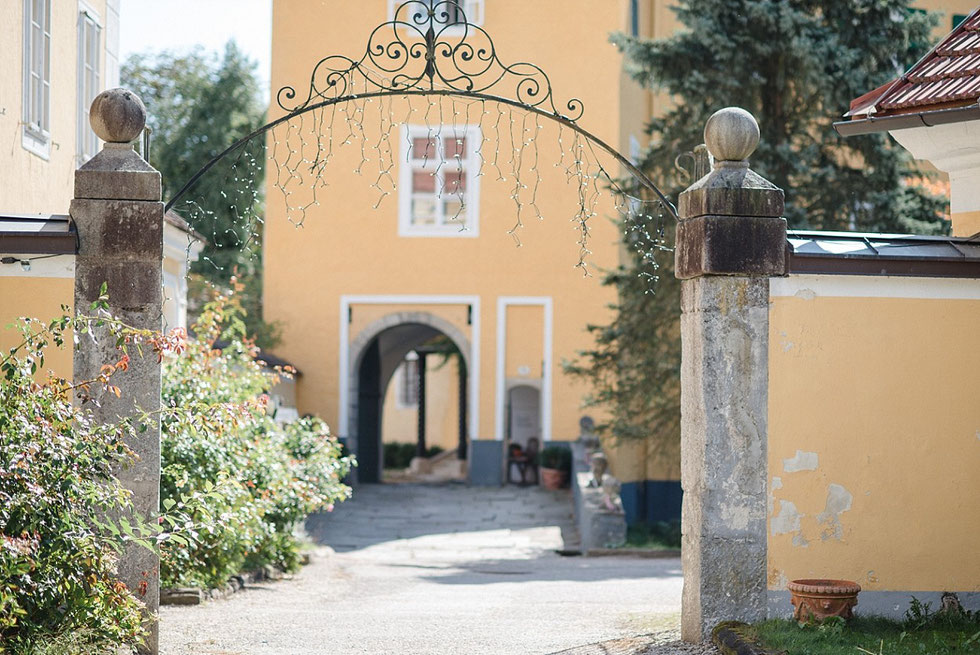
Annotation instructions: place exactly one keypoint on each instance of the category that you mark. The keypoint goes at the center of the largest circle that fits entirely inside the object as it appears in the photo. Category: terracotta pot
(553, 478)
(818, 600)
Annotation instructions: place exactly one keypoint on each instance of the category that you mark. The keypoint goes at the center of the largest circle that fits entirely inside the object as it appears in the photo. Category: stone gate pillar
(730, 240)
(119, 218)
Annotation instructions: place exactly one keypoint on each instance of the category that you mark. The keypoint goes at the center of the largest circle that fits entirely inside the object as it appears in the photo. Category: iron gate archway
(444, 55)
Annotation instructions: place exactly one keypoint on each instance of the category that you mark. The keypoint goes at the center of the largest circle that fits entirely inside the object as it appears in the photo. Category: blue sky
(181, 25)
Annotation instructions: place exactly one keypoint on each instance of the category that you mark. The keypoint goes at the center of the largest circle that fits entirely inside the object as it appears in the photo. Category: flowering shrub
(266, 477)
(234, 487)
(57, 560)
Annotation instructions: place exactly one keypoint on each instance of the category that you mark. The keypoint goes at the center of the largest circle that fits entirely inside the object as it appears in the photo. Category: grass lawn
(870, 635)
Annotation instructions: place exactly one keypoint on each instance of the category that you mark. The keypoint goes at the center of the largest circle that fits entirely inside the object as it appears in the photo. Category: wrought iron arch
(429, 48)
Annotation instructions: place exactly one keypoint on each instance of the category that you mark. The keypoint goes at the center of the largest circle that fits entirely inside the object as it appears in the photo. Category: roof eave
(907, 120)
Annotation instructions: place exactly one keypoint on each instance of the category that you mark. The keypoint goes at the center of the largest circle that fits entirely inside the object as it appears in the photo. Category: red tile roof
(947, 77)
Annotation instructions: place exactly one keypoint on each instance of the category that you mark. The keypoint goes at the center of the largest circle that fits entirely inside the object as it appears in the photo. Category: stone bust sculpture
(599, 467)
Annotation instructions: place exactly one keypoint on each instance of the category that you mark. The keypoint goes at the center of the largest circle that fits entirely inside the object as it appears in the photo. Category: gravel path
(414, 569)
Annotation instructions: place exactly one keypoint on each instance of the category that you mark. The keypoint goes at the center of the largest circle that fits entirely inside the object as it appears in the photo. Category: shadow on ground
(550, 568)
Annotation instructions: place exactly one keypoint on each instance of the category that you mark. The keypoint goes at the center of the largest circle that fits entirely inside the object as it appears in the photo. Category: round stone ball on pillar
(731, 134)
(117, 116)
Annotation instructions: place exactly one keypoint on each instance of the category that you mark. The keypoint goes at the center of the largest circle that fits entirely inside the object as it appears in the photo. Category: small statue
(587, 436)
(599, 465)
(611, 500)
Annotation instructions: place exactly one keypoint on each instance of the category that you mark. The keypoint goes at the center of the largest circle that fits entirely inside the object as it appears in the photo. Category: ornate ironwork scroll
(430, 45)
(429, 48)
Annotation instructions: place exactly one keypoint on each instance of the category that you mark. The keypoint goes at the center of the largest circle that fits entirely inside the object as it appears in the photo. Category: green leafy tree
(796, 65)
(197, 105)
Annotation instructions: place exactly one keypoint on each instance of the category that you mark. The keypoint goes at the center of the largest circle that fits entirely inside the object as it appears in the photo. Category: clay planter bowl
(818, 600)
(553, 478)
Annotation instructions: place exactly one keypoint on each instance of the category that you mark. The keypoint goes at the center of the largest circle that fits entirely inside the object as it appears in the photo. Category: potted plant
(556, 464)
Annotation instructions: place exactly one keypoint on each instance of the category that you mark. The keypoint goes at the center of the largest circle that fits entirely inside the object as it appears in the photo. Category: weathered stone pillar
(730, 240)
(119, 217)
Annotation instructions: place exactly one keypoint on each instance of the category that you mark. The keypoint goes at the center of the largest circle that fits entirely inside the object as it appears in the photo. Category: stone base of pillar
(724, 405)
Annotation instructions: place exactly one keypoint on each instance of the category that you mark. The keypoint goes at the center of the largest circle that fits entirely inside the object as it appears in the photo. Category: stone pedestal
(730, 240)
(119, 217)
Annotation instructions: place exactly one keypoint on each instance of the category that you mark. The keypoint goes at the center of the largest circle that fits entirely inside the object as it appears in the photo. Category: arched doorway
(390, 353)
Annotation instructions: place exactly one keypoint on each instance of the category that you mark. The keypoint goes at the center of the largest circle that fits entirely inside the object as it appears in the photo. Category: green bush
(57, 561)
(266, 477)
(656, 535)
(399, 455)
(556, 457)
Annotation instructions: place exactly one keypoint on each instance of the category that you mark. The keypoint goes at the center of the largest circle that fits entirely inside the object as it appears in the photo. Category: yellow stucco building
(61, 54)
(869, 372)
(393, 278)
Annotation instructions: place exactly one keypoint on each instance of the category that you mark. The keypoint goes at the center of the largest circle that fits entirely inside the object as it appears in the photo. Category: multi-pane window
(89, 82)
(37, 76)
(457, 10)
(438, 184)
(408, 381)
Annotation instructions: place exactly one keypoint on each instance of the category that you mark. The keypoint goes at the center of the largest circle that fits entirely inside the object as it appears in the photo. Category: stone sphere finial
(731, 134)
(117, 116)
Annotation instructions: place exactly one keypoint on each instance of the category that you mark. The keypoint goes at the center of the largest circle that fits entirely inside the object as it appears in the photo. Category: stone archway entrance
(375, 355)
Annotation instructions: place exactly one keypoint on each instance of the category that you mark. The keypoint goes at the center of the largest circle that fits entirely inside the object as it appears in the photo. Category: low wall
(874, 437)
(486, 463)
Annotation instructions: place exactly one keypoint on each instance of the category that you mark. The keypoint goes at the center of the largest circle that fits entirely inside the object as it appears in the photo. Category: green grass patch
(662, 535)
(874, 635)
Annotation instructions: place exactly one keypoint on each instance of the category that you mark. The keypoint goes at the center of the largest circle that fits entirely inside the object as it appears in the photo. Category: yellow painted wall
(873, 403)
(400, 424)
(947, 9)
(346, 247)
(40, 298)
(638, 461)
(966, 224)
(30, 184)
(525, 342)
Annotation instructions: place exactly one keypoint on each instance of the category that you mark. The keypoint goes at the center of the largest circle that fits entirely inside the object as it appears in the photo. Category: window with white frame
(89, 81)
(408, 381)
(457, 10)
(37, 76)
(438, 181)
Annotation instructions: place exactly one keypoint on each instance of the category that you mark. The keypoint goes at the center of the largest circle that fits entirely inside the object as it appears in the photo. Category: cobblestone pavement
(443, 570)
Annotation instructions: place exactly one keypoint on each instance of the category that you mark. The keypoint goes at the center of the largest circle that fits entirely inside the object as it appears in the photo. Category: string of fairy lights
(299, 152)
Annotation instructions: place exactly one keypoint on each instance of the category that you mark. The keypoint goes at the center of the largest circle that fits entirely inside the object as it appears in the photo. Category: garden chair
(526, 461)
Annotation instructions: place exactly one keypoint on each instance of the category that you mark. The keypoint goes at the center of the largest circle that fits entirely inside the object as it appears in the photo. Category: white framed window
(37, 77)
(457, 9)
(89, 80)
(438, 181)
(408, 382)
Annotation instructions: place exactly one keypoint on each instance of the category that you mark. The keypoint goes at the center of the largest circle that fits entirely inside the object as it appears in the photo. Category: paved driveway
(441, 570)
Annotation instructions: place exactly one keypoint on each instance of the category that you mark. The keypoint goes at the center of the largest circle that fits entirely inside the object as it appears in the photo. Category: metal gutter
(907, 121)
(881, 266)
(61, 241)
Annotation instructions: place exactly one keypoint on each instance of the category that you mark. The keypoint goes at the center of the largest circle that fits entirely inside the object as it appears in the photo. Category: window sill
(37, 145)
(451, 232)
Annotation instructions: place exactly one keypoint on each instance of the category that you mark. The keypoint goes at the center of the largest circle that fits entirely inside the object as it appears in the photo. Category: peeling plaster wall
(874, 412)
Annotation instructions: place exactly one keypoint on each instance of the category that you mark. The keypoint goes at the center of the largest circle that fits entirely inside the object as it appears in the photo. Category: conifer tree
(795, 64)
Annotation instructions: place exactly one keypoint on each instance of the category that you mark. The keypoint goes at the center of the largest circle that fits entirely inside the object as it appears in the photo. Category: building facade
(418, 249)
(435, 262)
(63, 53)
